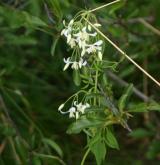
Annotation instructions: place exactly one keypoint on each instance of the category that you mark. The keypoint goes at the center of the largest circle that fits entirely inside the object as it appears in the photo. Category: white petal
(69, 38)
(84, 63)
(72, 111)
(64, 22)
(98, 43)
(62, 32)
(71, 22)
(80, 64)
(84, 29)
(93, 34)
(77, 115)
(89, 27)
(66, 66)
(87, 105)
(83, 52)
(100, 56)
(67, 60)
(66, 32)
(75, 65)
(97, 25)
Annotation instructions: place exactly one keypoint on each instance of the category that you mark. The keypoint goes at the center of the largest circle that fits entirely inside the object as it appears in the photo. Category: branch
(123, 53)
(149, 26)
(125, 84)
(100, 7)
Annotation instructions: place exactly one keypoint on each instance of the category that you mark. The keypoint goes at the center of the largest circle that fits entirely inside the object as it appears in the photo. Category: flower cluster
(76, 110)
(83, 38)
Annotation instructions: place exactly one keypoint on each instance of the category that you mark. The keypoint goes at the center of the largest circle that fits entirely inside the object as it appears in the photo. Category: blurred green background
(33, 85)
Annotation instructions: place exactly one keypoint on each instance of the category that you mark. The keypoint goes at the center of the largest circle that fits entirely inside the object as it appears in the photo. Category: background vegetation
(33, 85)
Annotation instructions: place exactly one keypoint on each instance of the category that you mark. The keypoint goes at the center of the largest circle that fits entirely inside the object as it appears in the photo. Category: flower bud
(60, 107)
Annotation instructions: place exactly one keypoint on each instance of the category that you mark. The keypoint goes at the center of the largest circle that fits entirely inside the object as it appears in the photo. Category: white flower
(92, 48)
(72, 42)
(76, 110)
(68, 62)
(68, 29)
(72, 112)
(82, 63)
(83, 36)
(75, 65)
(78, 65)
(81, 107)
(67, 32)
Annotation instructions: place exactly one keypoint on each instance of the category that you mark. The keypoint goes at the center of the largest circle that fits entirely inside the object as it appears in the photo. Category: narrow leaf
(99, 151)
(111, 140)
(124, 97)
(83, 123)
(54, 145)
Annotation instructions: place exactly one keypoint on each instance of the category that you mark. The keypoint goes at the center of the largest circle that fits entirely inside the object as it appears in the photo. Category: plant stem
(95, 87)
(123, 53)
(149, 26)
(85, 156)
(100, 7)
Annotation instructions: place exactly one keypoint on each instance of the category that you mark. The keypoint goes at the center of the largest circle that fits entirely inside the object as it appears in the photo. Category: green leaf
(83, 123)
(21, 149)
(141, 107)
(144, 107)
(47, 157)
(99, 151)
(36, 161)
(53, 47)
(94, 139)
(19, 40)
(33, 21)
(124, 97)
(76, 77)
(57, 10)
(153, 107)
(54, 145)
(141, 133)
(111, 140)
(109, 64)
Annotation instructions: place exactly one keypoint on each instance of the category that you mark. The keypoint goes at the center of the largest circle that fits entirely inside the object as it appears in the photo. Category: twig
(85, 156)
(149, 26)
(109, 21)
(16, 156)
(9, 119)
(108, 4)
(125, 84)
(123, 53)
(2, 146)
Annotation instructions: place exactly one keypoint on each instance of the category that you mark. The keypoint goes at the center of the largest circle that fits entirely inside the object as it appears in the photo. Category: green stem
(95, 87)
(85, 156)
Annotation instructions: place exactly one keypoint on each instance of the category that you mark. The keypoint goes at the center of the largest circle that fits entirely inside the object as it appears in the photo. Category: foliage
(33, 85)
